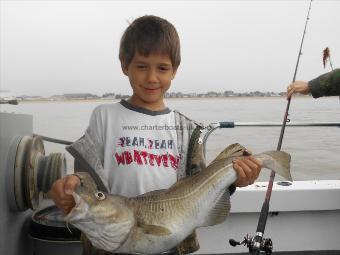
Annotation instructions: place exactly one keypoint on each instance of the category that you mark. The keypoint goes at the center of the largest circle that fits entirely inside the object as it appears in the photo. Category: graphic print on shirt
(146, 151)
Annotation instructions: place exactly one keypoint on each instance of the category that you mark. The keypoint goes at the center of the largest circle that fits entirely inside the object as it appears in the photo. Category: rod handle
(263, 217)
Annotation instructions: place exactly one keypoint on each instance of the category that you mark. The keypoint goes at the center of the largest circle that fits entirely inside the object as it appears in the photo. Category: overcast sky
(56, 47)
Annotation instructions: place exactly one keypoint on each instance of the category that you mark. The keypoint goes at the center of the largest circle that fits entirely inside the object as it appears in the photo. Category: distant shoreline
(166, 99)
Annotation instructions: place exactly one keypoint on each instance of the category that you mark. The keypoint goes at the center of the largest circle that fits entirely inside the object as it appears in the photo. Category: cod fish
(159, 220)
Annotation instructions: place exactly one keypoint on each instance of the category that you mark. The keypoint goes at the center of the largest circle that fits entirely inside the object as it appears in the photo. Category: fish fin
(220, 211)
(233, 150)
(153, 193)
(279, 162)
(154, 229)
(180, 183)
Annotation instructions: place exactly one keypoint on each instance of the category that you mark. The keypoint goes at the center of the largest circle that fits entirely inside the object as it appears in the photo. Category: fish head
(105, 219)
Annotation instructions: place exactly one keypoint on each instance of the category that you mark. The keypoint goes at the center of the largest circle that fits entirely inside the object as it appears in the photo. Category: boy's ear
(174, 74)
(124, 69)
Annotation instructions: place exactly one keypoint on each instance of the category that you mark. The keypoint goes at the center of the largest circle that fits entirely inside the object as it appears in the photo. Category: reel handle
(234, 243)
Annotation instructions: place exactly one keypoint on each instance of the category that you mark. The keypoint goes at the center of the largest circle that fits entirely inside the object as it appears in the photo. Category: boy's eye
(164, 68)
(141, 66)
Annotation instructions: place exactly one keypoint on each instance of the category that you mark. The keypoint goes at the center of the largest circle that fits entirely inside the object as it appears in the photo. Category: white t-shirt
(139, 147)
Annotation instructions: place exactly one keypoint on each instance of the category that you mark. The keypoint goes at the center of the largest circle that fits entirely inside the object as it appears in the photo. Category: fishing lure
(325, 57)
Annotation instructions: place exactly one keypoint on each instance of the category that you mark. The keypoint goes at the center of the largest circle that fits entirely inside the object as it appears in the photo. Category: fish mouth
(79, 211)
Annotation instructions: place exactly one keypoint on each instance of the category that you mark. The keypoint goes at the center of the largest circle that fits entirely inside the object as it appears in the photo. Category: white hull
(308, 218)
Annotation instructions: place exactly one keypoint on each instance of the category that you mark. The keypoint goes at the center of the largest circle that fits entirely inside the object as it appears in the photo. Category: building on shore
(75, 96)
(6, 95)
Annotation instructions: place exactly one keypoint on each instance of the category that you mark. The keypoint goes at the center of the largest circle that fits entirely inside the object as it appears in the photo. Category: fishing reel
(265, 246)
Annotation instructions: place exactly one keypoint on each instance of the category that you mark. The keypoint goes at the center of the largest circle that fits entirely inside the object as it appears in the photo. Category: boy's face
(150, 77)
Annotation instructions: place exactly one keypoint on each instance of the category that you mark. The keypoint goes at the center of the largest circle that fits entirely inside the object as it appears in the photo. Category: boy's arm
(88, 151)
(188, 140)
(195, 157)
(247, 168)
(327, 84)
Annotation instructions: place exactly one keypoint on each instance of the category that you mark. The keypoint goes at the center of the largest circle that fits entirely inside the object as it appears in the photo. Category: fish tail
(278, 161)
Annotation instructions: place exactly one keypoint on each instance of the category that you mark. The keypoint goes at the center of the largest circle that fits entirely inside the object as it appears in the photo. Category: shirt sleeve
(95, 132)
(88, 150)
(327, 84)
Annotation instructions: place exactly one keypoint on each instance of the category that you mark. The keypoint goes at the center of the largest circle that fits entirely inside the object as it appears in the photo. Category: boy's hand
(62, 190)
(248, 169)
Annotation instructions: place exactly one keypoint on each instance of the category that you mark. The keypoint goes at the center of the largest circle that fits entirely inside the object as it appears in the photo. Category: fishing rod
(257, 243)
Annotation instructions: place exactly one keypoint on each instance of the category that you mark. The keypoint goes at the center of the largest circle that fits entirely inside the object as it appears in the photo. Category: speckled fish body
(159, 220)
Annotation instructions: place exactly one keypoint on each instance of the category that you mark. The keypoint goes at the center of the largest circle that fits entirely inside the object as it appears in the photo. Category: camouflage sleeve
(327, 84)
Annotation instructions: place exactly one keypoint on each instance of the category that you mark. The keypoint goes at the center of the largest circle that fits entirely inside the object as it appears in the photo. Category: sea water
(315, 151)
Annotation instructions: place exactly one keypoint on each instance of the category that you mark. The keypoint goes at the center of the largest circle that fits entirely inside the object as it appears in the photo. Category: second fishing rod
(258, 244)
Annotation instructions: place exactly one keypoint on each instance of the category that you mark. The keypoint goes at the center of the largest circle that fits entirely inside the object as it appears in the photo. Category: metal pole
(54, 140)
(228, 124)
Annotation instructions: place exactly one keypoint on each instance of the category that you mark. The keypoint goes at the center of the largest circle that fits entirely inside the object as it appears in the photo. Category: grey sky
(55, 47)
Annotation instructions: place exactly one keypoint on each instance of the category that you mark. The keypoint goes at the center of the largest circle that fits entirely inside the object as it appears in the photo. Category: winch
(31, 173)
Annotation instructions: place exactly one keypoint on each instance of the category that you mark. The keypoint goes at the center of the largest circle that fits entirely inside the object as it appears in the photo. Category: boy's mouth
(151, 89)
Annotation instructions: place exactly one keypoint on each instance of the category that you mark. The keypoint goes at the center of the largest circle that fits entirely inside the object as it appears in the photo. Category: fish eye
(100, 195)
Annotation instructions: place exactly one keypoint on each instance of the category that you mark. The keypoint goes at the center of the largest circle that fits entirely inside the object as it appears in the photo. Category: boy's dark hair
(150, 34)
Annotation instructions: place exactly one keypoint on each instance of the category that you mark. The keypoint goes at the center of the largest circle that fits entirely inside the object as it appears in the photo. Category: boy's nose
(152, 76)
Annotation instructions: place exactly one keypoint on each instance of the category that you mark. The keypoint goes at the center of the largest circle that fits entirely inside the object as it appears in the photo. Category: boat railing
(224, 124)
(230, 124)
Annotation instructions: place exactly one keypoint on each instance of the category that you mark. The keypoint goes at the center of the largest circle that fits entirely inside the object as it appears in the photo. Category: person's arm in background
(63, 188)
(327, 84)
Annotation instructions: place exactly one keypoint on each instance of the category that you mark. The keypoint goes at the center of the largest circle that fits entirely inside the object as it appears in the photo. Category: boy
(140, 145)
